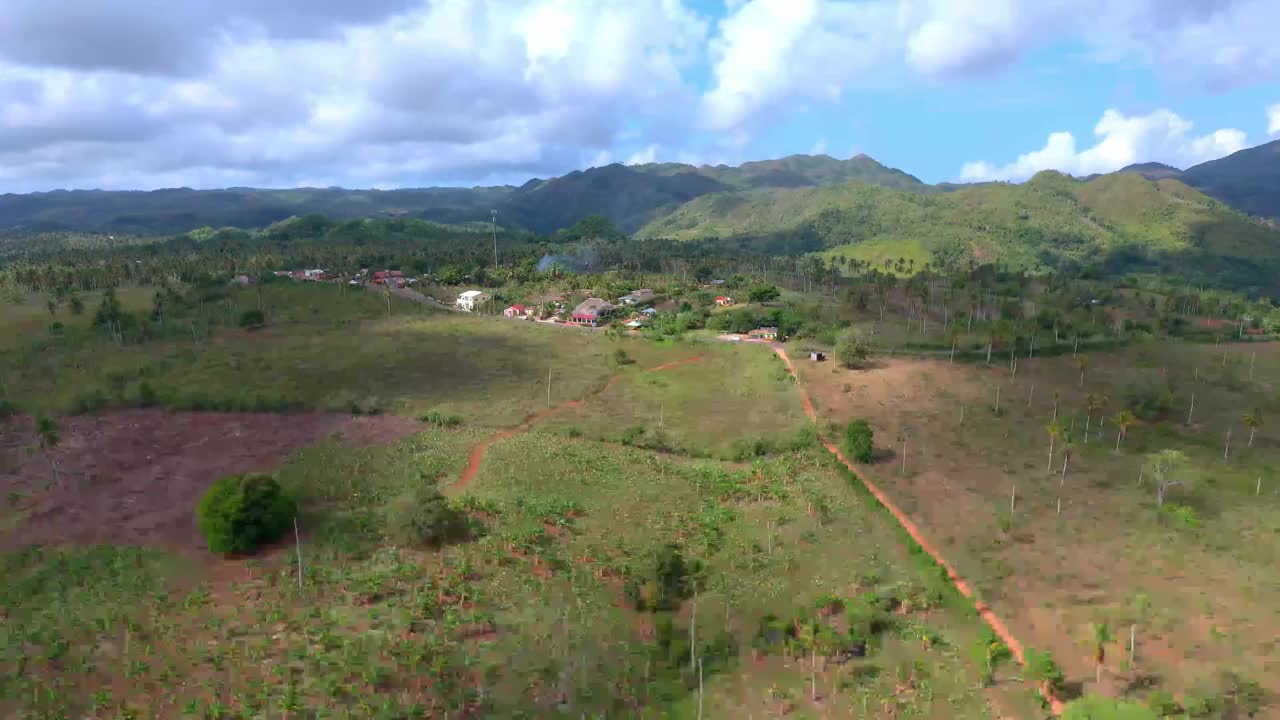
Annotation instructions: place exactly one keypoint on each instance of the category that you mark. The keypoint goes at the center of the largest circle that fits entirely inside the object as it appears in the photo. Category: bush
(852, 350)
(1150, 395)
(440, 419)
(240, 513)
(1041, 668)
(423, 517)
(252, 319)
(1096, 707)
(858, 441)
(621, 358)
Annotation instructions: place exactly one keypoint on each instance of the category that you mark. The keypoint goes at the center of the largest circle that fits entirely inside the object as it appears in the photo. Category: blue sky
(392, 93)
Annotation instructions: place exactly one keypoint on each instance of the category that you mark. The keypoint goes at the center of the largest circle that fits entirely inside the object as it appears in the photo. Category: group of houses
(314, 274)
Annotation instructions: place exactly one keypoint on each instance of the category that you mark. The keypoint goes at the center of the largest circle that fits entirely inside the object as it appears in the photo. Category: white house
(470, 300)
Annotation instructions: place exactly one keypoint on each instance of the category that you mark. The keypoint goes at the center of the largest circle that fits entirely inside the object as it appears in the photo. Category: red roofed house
(724, 301)
(590, 312)
(515, 311)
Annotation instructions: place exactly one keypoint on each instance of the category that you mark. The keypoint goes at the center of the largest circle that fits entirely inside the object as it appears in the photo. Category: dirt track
(996, 624)
(135, 476)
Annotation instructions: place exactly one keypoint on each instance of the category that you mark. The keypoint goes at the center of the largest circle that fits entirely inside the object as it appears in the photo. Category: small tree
(423, 518)
(1082, 364)
(1123, 420)
(1095, 402)
(1253, 421)
(49, 437)
(1164, 466)
(858, 441)
(1099, 636)
(763, 293)
(240, 513)
(1055, 431)
(852, 350)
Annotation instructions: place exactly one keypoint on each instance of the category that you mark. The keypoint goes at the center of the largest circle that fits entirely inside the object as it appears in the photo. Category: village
(631, 312)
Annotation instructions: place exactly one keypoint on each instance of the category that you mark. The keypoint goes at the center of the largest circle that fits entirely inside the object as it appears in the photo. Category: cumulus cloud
(770, 54)
(390, 93)
(1273, 119)
(1161, 136)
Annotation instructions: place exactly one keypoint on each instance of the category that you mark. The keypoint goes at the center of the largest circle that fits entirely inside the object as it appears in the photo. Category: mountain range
(1215, 221)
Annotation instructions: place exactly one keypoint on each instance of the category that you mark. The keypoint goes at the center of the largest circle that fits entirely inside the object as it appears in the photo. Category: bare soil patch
(135, 476)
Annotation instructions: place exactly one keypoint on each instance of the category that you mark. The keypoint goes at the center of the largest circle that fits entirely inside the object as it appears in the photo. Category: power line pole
(494, 214)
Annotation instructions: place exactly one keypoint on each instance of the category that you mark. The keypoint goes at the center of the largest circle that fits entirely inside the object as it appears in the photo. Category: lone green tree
(1099, 636)
(1055, 431)
(48, 436)
(852, 350)
(1253, 421)
(1082, 364)
(240, 513)
(1123, 420)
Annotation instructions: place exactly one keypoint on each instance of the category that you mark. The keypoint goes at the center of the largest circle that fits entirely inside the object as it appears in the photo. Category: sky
(145, 94)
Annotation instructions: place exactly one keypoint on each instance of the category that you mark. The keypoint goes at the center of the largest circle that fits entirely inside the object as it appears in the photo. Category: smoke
(581, 260)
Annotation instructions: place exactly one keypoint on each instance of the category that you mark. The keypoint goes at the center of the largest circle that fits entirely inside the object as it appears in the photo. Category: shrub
(1150, 395)
(423, 517)
(858, 441)
(621, 358)
(1042, 668)
(7, 408)
(1096, 707)
(252, 319)
(242, 512)
(440, 419)
(852, 350)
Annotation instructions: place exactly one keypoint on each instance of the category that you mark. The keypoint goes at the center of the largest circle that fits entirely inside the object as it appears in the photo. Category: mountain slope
(797, 171)
(1248, 180)
(1120, 221)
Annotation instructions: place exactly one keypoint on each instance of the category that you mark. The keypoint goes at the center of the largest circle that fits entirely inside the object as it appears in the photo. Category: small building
(635, 325)
(515, 311)
(764, 333)
(639, 297)
(724, 301)
(470, 300)
(649, 311)
(817, 356)
(591, 312)
(241, 280)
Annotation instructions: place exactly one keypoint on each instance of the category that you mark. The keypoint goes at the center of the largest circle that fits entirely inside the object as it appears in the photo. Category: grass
(528, 616)
(24, 317)
(327, 349)
(1202, 589)
(731, 402)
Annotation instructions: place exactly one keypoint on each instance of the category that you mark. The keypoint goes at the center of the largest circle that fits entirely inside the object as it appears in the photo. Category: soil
(135, 476)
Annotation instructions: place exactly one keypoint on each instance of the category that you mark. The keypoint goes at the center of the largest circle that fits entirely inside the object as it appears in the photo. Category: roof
(723, 297)
(592, 306)
(764, 331)
(649, 311)
(471, 294)
(517, 307)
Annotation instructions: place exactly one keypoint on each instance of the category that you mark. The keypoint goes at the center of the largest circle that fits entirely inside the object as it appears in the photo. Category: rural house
(590, 312)
(724, 301)
(764, 333)
(515, 311)
(639, 297)
(470, 300)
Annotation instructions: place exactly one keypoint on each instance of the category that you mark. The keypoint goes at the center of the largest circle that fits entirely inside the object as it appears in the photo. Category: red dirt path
(477, 452)
(997, 625)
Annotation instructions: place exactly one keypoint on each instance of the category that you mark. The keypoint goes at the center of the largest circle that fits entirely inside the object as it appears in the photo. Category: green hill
(1248, 180)
(1118, 222)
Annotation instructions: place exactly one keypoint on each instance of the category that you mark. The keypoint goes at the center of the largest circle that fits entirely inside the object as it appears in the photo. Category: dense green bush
(858, 441)
(435, 417)
(252, 318)
(240, 513)
(423, 518)
(852, 349)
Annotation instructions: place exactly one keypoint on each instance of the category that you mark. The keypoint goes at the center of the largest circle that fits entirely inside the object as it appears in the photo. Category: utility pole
(494, 215)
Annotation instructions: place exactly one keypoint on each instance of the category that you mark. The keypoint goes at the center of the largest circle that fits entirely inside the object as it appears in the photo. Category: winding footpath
(988, 615)
(477, 452)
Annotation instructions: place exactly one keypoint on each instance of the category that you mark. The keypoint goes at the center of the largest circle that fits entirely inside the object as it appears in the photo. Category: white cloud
(1273, 119)
(643, 157)
(819, 147)
(1161, 136)
(448, 91)
(768, 55)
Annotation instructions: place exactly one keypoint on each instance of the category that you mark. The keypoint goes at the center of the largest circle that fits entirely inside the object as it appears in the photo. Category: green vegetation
(858, 441)
(422, 518)
(241, 513)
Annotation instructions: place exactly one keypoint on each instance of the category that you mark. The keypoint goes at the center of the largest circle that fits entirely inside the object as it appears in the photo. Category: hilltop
(1117, 222)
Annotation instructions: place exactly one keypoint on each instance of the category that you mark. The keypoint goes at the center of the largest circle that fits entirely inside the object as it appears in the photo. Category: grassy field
(328, 349)
(724, 401)
(25, 317)
(531, 617)
(1191, 579)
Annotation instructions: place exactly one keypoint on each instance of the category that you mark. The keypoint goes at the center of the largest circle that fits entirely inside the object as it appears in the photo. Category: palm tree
(1099, 636)
(1253, 421)
(1124, 419)
(1055, 431)
(1082, 363)
(1057, 399)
